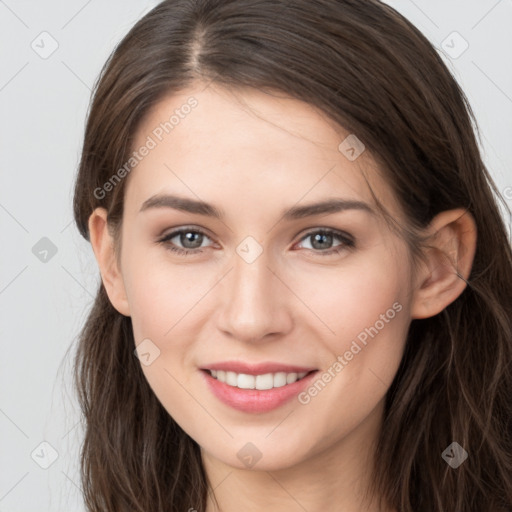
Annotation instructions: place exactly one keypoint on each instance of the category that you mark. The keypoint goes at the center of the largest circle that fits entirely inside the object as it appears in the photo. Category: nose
(254, 302)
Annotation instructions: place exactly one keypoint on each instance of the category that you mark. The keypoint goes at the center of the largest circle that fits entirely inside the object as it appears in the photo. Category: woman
(305, 299)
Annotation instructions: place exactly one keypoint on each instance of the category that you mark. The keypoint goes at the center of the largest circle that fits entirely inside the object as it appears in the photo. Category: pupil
(320, 238)
(189, 237)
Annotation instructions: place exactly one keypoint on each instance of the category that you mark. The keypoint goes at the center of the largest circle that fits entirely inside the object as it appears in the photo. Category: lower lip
(255, 400)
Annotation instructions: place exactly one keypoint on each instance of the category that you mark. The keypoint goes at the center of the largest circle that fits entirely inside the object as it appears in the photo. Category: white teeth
(260, 382)
(231, 378)
(265, 381)
(244, 381)
(290, 378)
(279, 379)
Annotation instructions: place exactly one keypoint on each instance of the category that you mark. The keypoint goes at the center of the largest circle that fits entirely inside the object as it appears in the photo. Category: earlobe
(447, 264)
(103, 248)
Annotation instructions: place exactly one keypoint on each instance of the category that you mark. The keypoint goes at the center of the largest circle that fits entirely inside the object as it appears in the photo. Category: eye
(190, 239)
(321, 241)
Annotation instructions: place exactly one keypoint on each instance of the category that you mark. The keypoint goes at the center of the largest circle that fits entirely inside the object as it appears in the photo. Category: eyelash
(347, 241)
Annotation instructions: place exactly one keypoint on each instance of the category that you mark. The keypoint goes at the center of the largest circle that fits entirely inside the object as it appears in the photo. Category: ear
(448, 260)
(103, 247)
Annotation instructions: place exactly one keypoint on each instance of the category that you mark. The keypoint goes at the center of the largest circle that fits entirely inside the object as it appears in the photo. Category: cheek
(159, 292)
(361, 322)
(353, 296)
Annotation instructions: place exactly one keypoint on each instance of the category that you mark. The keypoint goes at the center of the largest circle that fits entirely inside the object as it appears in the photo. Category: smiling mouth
(259, 382)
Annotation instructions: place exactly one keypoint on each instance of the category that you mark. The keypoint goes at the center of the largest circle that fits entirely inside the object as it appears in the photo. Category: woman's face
(263, 294)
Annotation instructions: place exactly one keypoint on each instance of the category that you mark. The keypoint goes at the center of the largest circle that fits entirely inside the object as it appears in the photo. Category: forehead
(248, 145)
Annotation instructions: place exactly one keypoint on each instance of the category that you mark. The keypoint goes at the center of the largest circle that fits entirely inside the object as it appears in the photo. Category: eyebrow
(184, 204)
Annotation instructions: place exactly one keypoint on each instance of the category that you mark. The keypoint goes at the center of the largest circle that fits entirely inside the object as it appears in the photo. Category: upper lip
(256, 369)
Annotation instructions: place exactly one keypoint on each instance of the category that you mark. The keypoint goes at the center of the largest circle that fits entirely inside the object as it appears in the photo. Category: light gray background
(43, 105)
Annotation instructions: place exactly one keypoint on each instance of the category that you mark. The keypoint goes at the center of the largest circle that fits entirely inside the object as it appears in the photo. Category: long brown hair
(372, 72)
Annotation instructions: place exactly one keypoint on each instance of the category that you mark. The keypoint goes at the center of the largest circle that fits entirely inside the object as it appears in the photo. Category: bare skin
(253, 155)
